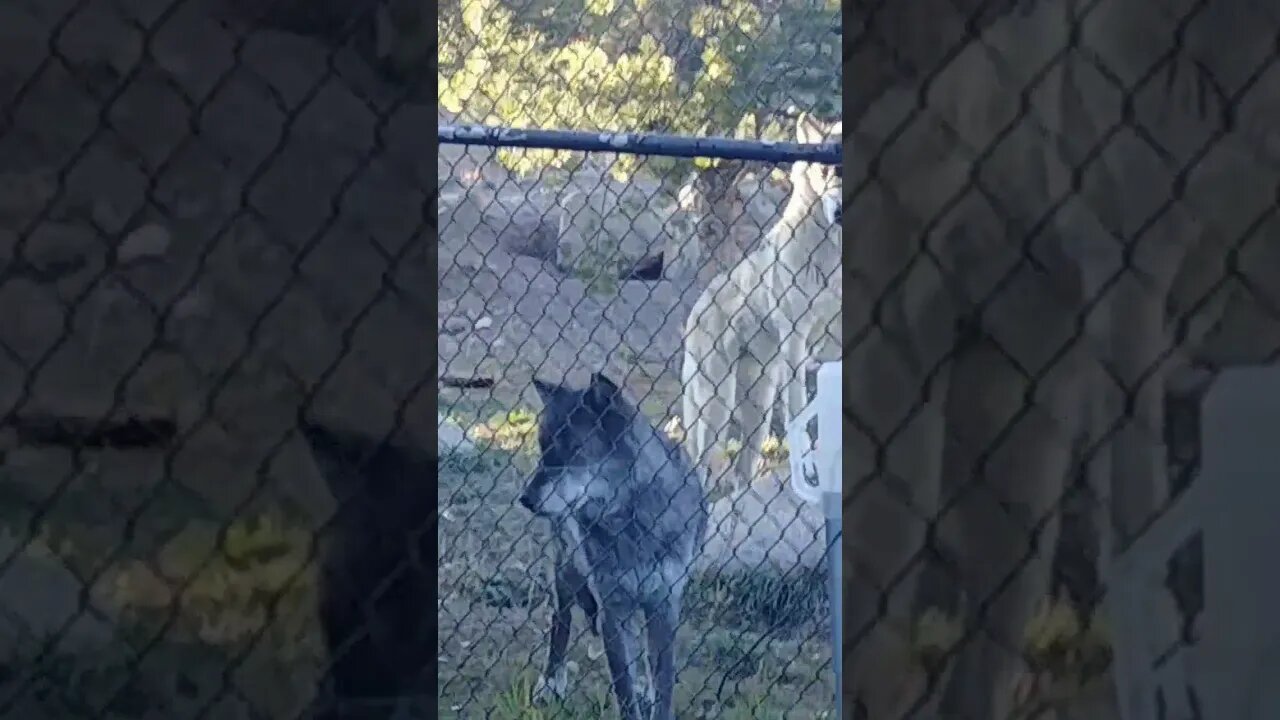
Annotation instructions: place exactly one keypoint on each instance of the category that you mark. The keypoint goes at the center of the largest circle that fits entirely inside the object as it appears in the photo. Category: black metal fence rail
(634, 143)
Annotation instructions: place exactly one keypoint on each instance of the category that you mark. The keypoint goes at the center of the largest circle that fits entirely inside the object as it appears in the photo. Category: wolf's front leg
(759, 373)
(554, 682)
(619, 650)
(795, 349)
(890, 498)
(662, 620)
(1006, 464)
(710, 387)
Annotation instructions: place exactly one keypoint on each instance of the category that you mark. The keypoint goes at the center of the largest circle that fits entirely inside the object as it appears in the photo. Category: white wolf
(748, 333)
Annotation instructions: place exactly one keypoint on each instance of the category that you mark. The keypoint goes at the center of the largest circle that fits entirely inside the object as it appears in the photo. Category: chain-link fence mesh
(210, 227)
(1053, 257)
(215, 225)
(215, 283)
(602, 294)
(559, 264)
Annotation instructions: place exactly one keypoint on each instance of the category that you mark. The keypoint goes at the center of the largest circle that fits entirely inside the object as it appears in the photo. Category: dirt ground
(750, 646)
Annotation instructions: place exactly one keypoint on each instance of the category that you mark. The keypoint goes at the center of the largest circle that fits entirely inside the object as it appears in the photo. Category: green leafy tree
(718, 67)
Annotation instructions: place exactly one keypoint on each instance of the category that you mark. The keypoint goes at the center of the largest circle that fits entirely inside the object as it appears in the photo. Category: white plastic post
(1234, 503)
(816, 468)
(822, 461)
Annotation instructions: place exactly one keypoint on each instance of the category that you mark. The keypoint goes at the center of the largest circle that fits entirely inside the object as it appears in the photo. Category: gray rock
(454, 325)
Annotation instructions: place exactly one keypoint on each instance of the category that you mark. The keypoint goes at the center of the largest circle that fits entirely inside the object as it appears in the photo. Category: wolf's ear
(809, 129)
(602, 391)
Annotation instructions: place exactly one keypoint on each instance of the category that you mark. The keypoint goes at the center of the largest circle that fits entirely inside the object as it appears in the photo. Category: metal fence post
(824, 464)
(832, 507)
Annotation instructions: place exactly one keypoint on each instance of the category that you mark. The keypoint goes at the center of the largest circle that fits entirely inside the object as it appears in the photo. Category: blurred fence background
(216, 213)
(1066, 169)
(212, 215)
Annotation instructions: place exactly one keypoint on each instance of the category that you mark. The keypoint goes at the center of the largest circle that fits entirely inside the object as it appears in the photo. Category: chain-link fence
(1053, 258)
(603, 295)
(215, 227)
(217, 269)
(1050, 254)
(564, 255)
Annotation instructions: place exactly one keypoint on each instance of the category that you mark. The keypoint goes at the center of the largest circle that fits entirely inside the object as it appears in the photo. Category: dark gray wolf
(376, 578)
(628, 514)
